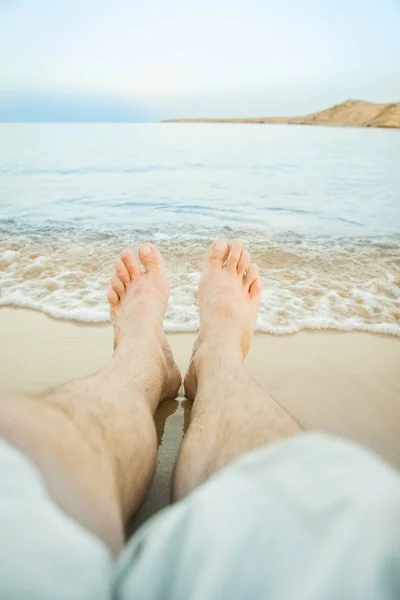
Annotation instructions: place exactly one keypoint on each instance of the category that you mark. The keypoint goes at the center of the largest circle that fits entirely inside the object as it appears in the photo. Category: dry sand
(342, 383)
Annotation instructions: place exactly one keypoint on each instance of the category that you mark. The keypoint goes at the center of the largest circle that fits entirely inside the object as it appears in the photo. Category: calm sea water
(318, 207)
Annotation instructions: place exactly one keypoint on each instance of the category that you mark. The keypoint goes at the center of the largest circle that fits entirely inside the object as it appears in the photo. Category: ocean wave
(19, 171)
(344, 286)
(185, 325)
(109, 170)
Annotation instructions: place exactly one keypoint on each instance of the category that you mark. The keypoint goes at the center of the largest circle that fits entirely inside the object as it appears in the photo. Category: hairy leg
(231, 414)
(94, 439)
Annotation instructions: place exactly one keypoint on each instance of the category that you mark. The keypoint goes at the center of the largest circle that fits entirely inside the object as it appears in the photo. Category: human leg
(94, 439)
(231, 414)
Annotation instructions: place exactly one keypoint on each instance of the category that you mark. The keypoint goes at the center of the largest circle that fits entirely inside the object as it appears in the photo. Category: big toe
(217, 254)
(150, 258)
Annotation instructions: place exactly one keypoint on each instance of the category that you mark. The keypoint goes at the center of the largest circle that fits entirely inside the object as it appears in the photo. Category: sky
(131, 60)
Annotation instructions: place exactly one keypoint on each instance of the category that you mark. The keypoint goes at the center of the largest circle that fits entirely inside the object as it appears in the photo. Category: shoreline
(310, 330)
(276, 121)
(351, 113)
(343, 383)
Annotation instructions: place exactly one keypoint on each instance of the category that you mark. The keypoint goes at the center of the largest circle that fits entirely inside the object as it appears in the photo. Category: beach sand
(346, 384)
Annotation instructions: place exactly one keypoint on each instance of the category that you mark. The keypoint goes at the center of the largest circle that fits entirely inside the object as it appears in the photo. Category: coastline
(343, 383)
(372, 329)
(351, 113)
(280, 121)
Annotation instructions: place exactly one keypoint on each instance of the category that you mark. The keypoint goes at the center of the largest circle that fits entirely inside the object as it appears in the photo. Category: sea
(318, 208)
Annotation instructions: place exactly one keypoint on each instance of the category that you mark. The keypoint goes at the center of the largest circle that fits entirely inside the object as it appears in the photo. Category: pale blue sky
(190, 58)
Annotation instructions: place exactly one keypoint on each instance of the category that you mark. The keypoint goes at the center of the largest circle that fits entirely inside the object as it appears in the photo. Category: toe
(122, 271)
(251, 276)
(244, 263)
(235, 254)
(150, 257)
(255, 289)
(112, 296)
(118, 286)
(217, 254)
(131, 266)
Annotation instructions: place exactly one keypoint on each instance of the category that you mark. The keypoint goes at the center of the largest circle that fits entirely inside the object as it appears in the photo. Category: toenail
(221, 245)
(146, 249)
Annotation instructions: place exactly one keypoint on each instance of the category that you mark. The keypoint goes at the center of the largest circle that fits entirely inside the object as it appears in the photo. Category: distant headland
(351, 113)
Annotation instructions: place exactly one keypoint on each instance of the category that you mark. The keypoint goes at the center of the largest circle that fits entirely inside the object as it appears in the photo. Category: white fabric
(44, 554)
(308, 518)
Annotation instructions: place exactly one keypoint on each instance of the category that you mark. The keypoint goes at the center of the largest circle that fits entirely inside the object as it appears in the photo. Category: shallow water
(319, 208)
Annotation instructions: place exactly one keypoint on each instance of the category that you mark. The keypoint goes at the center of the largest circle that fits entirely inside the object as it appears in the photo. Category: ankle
(215, 351)
(139, 340)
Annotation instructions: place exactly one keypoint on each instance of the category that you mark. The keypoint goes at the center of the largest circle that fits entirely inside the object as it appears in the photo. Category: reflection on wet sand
(172, 420)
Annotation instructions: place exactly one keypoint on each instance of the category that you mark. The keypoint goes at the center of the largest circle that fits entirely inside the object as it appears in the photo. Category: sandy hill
(351, 112)
(356, 113)
(388, 117)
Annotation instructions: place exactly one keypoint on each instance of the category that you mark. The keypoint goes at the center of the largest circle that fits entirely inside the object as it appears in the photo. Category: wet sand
(346, 384)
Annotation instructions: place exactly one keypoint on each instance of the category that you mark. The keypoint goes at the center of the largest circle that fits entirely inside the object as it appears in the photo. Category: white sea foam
(306, 286)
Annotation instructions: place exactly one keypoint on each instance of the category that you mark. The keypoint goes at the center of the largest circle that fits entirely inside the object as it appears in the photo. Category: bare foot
(138, 301)
(229, 300)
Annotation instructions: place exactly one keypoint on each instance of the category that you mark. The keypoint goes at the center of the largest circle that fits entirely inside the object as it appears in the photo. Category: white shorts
(307, 518)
